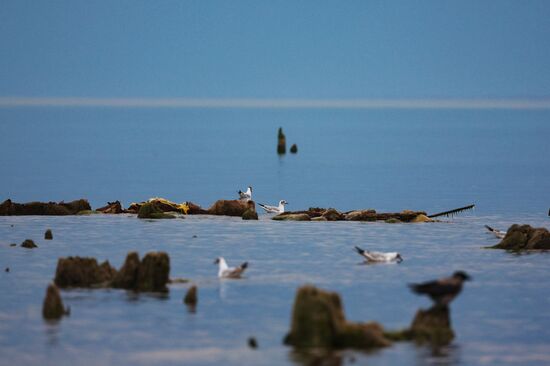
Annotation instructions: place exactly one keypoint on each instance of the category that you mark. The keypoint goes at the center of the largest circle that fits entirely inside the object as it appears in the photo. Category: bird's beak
(468, 278)
(399, 259)
(216, 261)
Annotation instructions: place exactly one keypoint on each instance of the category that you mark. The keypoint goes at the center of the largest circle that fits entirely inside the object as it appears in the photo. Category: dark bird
(444, 290)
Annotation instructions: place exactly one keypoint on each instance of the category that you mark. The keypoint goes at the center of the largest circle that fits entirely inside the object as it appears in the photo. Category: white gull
(379, 256)
(229, 272)
(498, 233)
(246, 195)
(274, 209)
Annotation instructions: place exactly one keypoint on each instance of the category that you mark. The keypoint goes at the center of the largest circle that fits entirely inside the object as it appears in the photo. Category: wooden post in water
(281, 142)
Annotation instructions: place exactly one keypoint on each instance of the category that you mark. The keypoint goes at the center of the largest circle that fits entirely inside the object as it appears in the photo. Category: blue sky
(275, 49)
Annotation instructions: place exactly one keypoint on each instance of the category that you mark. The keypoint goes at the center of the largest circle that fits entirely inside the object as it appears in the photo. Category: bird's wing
(434, 288)
(236, 272)
(376, 256)
(489, 228)
(268, 208)
(359, 250)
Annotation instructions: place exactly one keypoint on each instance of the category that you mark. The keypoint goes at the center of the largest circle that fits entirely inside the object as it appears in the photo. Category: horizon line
(283, 103)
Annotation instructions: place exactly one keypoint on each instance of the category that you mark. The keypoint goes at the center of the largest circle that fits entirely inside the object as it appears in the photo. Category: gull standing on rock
(499, 234)
(246, 195)
(229, 272)
(274, 209)
(444, 290)
(379, 256)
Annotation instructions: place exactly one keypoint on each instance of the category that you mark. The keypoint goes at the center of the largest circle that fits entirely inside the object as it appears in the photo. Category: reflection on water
(51, 331)
(444, 356)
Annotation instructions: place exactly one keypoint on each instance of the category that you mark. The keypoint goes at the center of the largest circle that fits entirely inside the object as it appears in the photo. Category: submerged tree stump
(52, 308)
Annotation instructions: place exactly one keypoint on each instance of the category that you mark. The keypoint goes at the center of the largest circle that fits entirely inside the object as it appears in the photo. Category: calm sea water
(388, 160)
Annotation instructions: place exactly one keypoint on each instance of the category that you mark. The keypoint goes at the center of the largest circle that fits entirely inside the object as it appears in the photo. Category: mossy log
(318, 321)
(331, 214)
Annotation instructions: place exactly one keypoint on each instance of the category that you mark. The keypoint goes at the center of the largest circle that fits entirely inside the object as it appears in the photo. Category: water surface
(388, 160)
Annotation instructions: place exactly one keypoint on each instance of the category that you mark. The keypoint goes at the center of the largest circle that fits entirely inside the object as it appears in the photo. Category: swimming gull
(498, 233)
(379, 256)
(229, 272)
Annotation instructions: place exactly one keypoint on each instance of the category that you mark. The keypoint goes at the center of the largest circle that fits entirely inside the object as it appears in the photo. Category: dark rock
(431, 326)
(52, 307)
(151, 274)
(150, 210)
(28, 243)
(393, 220)
(294, 149)
(281, 142)
(250, 215)
(83, 272)
(390, 217)
(361, 215)
(229, 207)
(292, 217)
(134, 208)
(41, 208)
(127, 276)
(318, 321)
(191, 297)
(108, 270)
(195, 209)
(48, 235)
(87, 212)
(154, 272)
(524, 237)
(252, 343)
(332, 215)
(319, 218)
(7, 269)
(111, 208)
